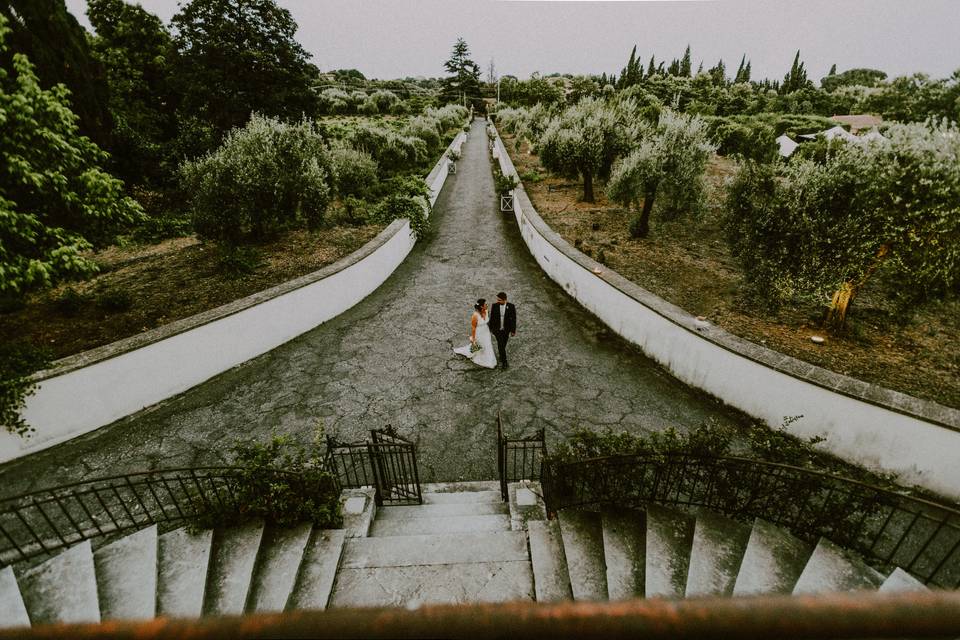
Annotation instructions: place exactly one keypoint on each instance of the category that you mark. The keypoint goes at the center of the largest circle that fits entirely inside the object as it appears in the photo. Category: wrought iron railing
(45, 521)
(518, 458)
(887, 528)
(387, 462)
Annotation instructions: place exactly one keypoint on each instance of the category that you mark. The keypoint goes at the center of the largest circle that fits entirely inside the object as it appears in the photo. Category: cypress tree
(685, 63)
(651, 68)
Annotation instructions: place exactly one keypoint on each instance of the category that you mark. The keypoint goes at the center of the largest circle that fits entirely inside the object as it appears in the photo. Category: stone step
(773, 561)
(278, 563)
(359, 509)
(232, 560)
(448, 524)
(182, 575)
(442, 510)
(62, 589)
(13, 613)
(473, 486)
(321, 558)
(832, 569)
(900, 580)
(669, 540)
(417, 550)
(127, 576)
(624, 549)
(551, 579)
(718, 547)
(414, 586)
(461, 497)
(582, 535)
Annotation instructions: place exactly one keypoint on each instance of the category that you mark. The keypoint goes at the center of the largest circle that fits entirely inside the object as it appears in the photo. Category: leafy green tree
(238, 57)
(820, 233)
(138, 54)
(56, 45)
(583, 141)
(265, 178)
(463, 84)
(667, 168)
(55, 199)
(852, 77)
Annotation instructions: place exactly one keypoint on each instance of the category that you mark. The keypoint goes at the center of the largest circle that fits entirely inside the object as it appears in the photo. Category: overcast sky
(396, 38)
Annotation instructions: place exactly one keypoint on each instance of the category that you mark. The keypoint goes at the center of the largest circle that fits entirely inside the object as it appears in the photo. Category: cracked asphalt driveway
(389, 360)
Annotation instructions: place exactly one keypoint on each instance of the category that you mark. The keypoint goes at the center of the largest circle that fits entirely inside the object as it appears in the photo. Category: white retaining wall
(865, 424)
(95, 388)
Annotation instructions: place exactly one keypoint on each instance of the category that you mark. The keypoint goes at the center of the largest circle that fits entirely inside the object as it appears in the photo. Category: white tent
(838, 132)
(787, 145)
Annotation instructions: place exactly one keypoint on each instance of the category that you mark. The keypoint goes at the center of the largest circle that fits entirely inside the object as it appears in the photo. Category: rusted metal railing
(45, 521)
(886, 527)
(518, 458)
(850, 615)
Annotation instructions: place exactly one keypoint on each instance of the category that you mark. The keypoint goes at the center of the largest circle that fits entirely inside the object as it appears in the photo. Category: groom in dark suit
(503, 324)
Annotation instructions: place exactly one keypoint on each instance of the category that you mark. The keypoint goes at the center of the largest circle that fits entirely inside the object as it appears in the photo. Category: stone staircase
(463, 544)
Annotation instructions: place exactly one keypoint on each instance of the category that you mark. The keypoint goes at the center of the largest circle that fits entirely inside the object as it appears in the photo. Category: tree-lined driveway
(389, 360)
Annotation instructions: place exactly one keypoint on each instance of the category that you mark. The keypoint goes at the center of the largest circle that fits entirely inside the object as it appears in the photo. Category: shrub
(71, 302)
(267, 177)
(234, 261)
(281, 482)
(385, 100)
(755, 141)
(368, 108)
(114, 300)
(406, 197)
(504, 184)
(426, 129)
(354, 172)
(392, 151)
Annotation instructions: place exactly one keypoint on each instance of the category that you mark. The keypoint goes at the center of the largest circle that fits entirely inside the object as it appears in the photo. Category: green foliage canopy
(265, 178)
(55, 199)
(666, 167)
(815, 229)
(238, 57)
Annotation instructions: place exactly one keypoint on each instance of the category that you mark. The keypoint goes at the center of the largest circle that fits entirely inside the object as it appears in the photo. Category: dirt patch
(165, 282)
(689, 264)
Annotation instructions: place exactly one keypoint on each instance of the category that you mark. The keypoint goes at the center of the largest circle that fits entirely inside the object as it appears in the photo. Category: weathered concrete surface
(389, 360)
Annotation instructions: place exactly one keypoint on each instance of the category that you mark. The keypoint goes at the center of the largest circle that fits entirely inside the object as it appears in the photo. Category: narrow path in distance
(389, 360)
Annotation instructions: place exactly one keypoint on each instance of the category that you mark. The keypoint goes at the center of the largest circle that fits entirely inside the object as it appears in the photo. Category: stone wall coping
(926, 410)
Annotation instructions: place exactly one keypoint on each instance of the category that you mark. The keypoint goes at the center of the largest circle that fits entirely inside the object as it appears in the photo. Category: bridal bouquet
(474, 347)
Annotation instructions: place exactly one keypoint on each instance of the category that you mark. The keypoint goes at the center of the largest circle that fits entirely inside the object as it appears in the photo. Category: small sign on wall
(451, 167)
(506, 203)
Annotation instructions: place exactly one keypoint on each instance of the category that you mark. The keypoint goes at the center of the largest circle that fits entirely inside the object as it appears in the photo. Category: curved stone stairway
(462, 545)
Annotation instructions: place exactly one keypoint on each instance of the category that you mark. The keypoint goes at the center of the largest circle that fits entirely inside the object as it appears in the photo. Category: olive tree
(266, 177)
(583, 141)
(819, 232)
(665, 167)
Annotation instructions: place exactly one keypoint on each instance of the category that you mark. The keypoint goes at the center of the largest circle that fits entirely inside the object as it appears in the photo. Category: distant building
(859, 122)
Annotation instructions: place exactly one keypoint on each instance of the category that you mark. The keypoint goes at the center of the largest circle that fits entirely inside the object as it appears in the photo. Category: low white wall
(874, 427)
(95, 388)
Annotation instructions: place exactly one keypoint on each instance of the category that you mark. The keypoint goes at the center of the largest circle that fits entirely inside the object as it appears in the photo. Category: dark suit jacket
(507, 323)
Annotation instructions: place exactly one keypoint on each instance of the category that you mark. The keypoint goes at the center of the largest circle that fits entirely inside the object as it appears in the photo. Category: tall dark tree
(796, 79)
(240, 56)
(743, 71)
(685, 63)
(463, 84)
(57, 46)
(138, 54)
(631, 74)
(652, 67)
(719, 73)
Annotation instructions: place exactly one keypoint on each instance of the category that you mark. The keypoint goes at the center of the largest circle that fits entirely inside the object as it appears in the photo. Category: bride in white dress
(479, 336)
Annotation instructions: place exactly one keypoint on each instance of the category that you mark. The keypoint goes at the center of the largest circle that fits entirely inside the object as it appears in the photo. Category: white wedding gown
(485, 357)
